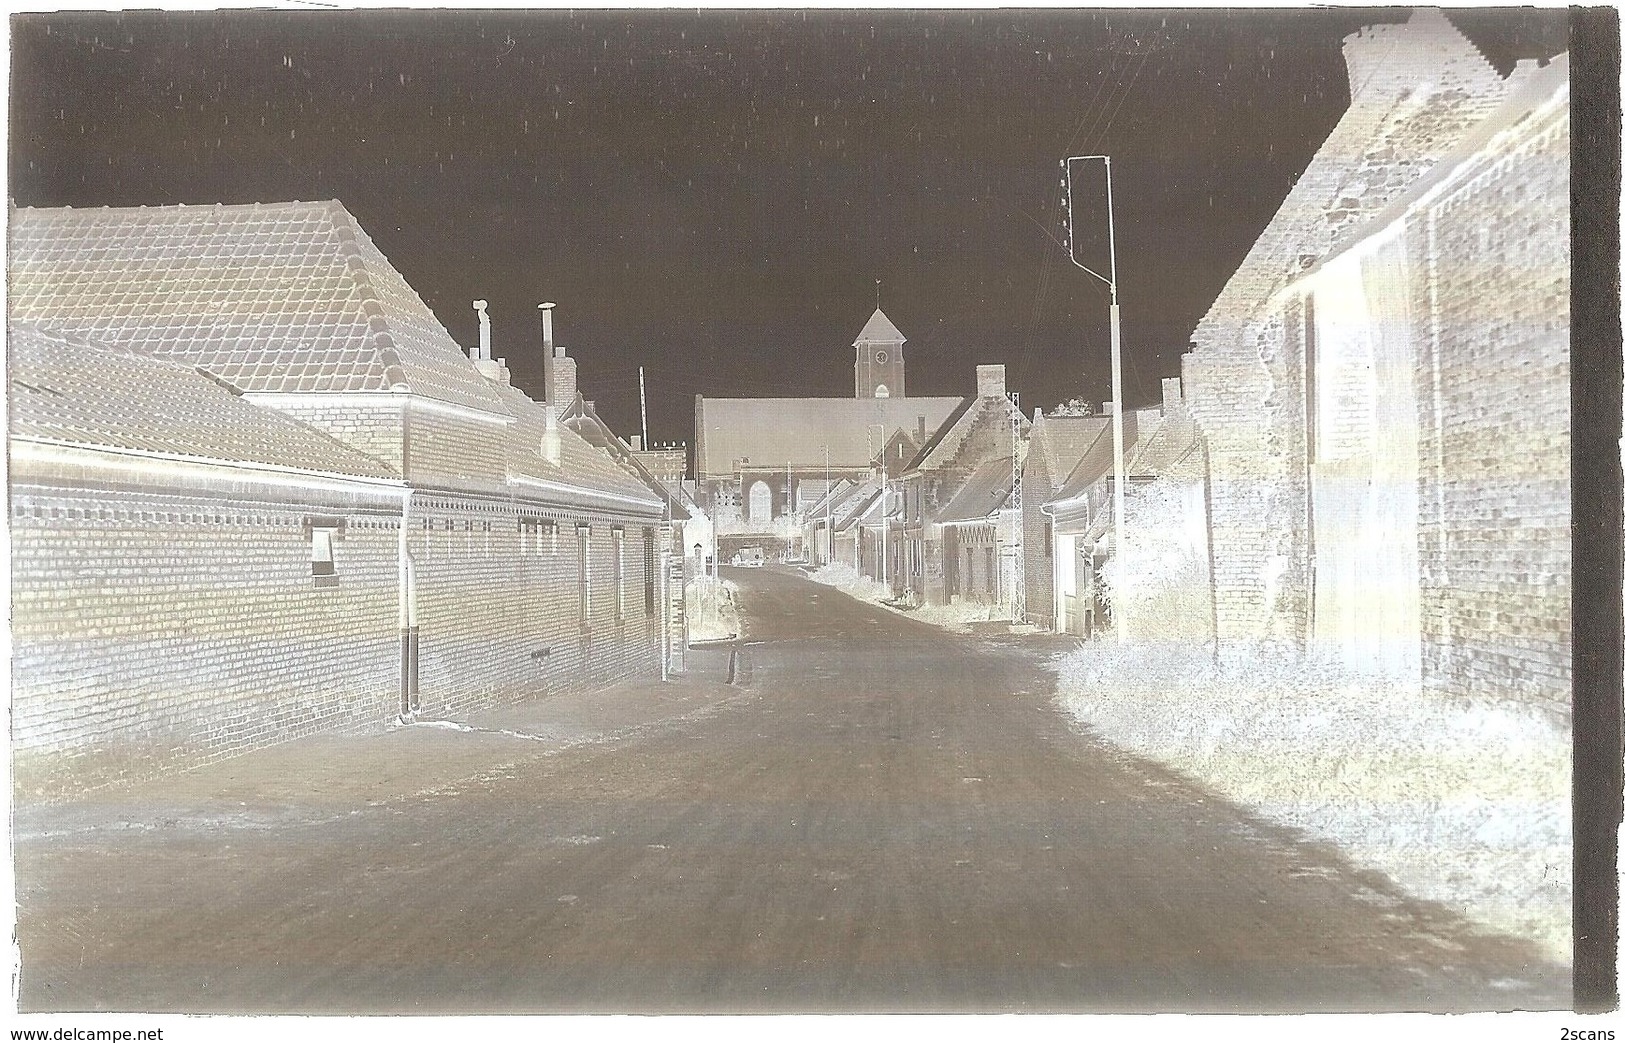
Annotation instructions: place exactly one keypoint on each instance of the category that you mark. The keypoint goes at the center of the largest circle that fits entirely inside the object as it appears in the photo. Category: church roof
(282, 297)
(781, 432)
(880, 329)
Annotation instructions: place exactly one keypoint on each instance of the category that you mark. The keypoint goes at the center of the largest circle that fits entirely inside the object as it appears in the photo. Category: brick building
(1383, 384)
(1057, 444)
(476, 550)
(959, 536)
(1160, 445)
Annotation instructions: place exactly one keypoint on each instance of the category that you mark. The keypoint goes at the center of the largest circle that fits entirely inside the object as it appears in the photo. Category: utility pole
(1018, 549)
(643, 408)
(1118, 478)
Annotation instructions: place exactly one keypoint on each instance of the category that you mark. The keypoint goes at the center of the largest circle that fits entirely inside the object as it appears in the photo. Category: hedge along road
(894, 819)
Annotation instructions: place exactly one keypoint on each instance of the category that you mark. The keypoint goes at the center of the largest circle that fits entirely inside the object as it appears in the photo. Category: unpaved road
(893, 819)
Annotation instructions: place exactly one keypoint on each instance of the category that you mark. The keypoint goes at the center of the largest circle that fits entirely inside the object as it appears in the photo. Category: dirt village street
(876, 816)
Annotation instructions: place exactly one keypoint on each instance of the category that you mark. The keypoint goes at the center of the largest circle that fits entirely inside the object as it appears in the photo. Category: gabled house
(191, 573)
(1416, 90)
(1161, 449)
(1383, 385)
(977, 452)
(1057, 443)
(817, 521)
(522, 560)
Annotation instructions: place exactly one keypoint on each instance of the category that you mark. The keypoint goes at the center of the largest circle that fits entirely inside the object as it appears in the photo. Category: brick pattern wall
(1227, 391)
(1493, 390)
(444, 449)
(371, 429)
(1486, 281)
(153, 631)
(499, 610)
(1415, 90)
(1037, 546)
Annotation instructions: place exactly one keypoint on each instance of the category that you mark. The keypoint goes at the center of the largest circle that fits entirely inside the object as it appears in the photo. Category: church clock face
(880, 358)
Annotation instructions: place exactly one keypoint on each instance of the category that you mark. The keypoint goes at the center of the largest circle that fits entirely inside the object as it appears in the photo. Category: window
(322, 533)
(538, 536)
(619, 536)
(650, 584)
(584, 576)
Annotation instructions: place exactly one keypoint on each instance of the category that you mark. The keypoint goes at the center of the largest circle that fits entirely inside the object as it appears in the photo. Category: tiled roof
(1163, 443)
(592, 429)
(1416, 88)
(580, 464)
(942, 449)
(832, 498)
(65, 389)
(880, 329)
(1530, 89)
(1062, 441)
(1096, 462)
(857, 506)
(984, 492)
(285, 297)
(775, 432)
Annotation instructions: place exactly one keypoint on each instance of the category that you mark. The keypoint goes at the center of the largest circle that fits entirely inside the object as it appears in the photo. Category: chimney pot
(546, 308)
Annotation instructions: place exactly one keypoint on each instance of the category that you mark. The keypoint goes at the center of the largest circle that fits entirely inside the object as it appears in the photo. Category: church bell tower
(878, 371)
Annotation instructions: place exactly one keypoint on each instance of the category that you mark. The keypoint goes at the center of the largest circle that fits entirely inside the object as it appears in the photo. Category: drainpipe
(1054, 587)
(407, 613)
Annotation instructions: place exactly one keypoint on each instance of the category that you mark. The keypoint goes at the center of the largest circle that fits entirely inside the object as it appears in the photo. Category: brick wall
(1463, 539)
(499, 612)
(448, 449)
(1493, 390)
(153, 631)
(1037, 547)
(374, 429)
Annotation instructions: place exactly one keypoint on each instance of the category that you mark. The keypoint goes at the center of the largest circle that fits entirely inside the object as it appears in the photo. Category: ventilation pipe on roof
(491, 369)
(558, 369)
(546, 309)
(484, 351)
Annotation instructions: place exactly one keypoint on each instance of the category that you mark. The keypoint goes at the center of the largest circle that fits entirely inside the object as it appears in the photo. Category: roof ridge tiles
(344, 231)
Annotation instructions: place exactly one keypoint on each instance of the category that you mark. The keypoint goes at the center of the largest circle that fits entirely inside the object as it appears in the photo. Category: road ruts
(895, 819)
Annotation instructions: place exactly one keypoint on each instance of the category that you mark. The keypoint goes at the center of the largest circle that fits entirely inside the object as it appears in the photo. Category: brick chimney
(989, 381)
(558, 369)
(1173, 398)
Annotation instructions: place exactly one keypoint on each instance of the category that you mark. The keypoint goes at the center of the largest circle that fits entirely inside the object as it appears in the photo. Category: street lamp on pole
(1118, 477)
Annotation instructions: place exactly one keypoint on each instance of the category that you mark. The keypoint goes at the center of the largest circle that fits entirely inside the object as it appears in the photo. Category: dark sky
(713, 194)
